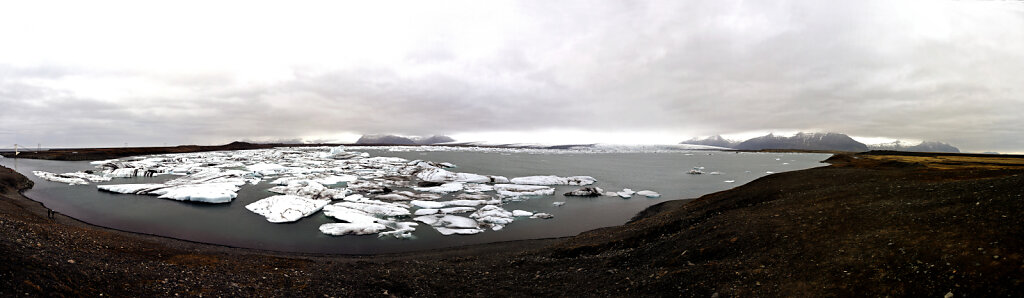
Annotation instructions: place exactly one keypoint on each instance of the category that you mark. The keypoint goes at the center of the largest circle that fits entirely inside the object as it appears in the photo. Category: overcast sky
(93, 73)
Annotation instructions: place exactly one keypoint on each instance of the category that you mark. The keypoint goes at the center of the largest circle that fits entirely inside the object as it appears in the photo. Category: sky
(114, 73)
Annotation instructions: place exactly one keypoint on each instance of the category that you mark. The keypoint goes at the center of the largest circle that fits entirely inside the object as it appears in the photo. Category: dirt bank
(865, 226)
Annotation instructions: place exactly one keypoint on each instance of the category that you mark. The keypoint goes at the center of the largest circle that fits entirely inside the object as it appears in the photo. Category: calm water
(231, 224)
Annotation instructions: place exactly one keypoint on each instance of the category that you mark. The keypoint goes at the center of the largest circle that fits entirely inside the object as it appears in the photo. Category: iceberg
(542, 216)
(516, 190)
(286, 208)
(130, 188)
(376, 207)
(438, 175)
(558, 204)
(206, 193)
(60, 179)
(586, 192)
(554, 180)
(626, 193)
(451, 224)
(648, 193)
(518, 213)
(443, 188)
(493, 216)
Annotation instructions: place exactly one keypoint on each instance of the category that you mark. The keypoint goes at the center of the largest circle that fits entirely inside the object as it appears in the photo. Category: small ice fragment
(558, 204)
(425, 211)
(518, 213)
(542, 216)
(729, 181)
(586, 192)
(648, 193)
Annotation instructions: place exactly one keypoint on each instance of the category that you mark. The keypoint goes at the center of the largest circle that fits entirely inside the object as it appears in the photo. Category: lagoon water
(231, 224)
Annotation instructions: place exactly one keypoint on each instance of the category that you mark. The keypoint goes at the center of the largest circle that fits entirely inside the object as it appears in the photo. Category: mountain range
(400, 140)
(817, 141)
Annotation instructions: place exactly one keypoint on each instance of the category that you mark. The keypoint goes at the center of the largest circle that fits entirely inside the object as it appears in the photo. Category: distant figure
(49, 213)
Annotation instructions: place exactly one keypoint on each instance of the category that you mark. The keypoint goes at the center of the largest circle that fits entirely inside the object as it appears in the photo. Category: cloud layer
(654, 71)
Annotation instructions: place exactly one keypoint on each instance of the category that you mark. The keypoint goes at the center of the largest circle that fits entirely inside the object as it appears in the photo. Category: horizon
(113, 73)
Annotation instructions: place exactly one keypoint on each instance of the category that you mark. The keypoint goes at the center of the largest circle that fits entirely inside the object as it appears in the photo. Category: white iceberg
(451, 224)
(648, 193)
(206, 193)
(554, 180)
(542, 216)
(626, 193)
(493, 216)
(518, 213)
(443, 188)
(130, 188)
(515, 190)
(286, 208)
(60, 179)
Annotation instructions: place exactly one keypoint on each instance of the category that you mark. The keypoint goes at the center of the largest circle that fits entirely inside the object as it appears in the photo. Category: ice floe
(554, 180)
(516, 190)
(286, 208)
(648, 193)
(586, 192)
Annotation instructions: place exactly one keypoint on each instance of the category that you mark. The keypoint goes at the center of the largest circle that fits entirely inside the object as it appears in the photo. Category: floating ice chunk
(469, 196)
(376, 208)
(311, 189)
(451, 224)
(449, 231)
(86, 176)
(103, 162)
(60, 179)
(715, 173)
(393, 197)
(611, 194)
(335, 179)
(426, 211)
(515, 190)
(130, 188)
(626, 193)
(648, 193)
(558, 204)
(494, 216)
(476, 188)
(268, 168)
(355, 197)
(443, 188)
(499, 179)
(432, 174)
(518, 213)
(542, 215)
(206, 193)
(454, 210)
(769, 172)
(286, 208)
(729, 181)
(401, 230)
(586, 192)
(126, 173)
(363, 228)
(428, 204)
(465, 203)
(554, 180)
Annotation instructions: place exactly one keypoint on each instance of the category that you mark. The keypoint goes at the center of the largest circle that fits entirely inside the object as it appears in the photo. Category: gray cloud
(938, 71)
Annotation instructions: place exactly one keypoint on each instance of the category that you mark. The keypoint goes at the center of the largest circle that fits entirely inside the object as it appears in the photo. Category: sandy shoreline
(865, 226)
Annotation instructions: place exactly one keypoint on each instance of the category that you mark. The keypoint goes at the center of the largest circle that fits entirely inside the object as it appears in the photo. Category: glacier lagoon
(232, 224)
